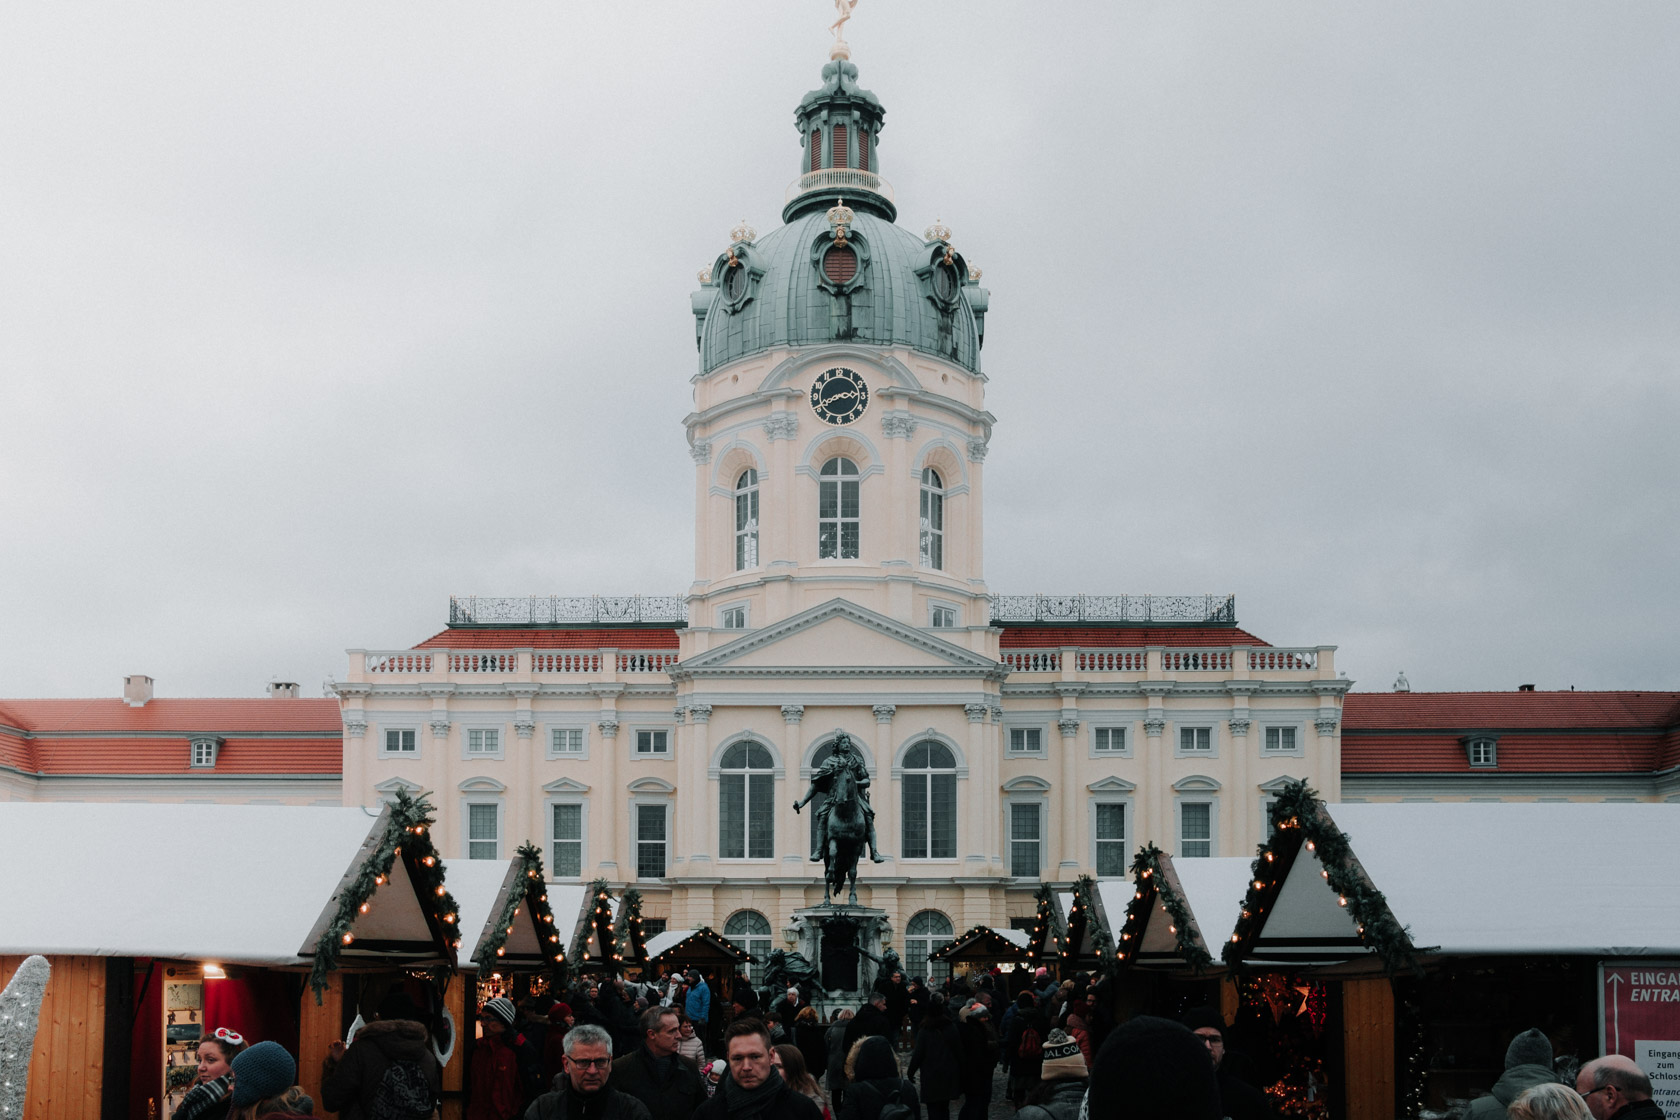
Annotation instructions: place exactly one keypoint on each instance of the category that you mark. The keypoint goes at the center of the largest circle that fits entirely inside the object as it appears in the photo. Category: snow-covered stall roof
(1484, 879)
(986, 943)
(103, 879)
(482, 887)
(698, 943)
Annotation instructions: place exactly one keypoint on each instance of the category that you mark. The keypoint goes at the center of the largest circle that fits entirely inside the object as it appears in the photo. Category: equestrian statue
(845, 819)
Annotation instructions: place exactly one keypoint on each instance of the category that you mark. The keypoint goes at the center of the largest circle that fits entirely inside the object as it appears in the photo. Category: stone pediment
(842, 639)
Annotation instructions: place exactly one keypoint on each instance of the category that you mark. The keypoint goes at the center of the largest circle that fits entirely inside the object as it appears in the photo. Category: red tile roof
(173, 756)
(1489, 711)
(217, 717)
(1050, 637)
(530, 638)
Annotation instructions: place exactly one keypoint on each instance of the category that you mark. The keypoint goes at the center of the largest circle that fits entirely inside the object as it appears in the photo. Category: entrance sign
(1639, 1016)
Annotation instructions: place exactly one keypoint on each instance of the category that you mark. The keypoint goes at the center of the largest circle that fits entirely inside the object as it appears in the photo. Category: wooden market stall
(1443, 929)
(150, 950)
(1087, 937)
(696, 948)
(980, 947)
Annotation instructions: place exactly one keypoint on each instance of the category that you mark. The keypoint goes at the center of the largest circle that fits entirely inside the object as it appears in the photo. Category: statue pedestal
(845, 943)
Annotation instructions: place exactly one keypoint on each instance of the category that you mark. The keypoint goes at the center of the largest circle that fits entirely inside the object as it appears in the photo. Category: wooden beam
(1368, 1048)
(318, 1028)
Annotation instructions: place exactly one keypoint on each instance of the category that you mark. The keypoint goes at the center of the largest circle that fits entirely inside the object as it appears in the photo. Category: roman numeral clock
(839, 395)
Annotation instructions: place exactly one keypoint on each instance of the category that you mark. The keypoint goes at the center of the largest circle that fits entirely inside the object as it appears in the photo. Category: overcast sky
(312, 314)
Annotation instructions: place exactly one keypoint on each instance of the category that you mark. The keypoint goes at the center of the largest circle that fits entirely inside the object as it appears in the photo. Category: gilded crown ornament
(973, 274)
(705, 275)
(743, 234)
(840, 220)
(938, 231)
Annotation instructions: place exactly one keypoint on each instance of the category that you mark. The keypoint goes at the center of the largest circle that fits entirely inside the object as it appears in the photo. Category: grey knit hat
(1530, 1048)
(262, 1071)
(502, 1008)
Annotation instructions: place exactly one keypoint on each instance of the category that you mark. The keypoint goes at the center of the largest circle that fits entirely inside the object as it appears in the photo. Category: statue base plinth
(841, 51)
(845, 943)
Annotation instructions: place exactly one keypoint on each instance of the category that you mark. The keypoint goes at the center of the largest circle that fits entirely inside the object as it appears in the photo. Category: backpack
(402, 1094)
(1031, 1048)
(895, 1109)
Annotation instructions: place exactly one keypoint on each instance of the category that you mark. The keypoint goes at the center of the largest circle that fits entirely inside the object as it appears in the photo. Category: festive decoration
(1082, 922)
(1299, 818)
(1042, 943)
(407, 837)
(980, 943)
(1153, 885)
(628, 937)
(530, 892)
(596, 943)
(20, 1013)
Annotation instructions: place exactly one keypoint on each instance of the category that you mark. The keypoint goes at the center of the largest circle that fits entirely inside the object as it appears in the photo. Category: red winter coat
(493, 1092)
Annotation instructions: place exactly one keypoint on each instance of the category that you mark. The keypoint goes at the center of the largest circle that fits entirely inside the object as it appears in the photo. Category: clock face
(839, 395)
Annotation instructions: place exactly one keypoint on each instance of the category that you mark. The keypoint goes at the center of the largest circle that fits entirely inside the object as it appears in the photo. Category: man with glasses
(581, 1091)
(1242, 1100)
(1615, 1088)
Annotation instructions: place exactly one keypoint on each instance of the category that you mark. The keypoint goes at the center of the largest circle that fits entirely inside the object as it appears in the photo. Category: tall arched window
(746, 520)
(749, 930)
(923, 933)
(837, 510)
(933, 519)
(929, 785)
(746, 803)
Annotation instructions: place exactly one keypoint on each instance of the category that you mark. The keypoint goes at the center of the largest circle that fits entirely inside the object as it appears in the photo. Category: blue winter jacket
(699, 1002)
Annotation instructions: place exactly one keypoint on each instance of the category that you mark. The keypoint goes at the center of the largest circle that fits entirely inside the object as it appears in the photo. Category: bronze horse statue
(848, 830)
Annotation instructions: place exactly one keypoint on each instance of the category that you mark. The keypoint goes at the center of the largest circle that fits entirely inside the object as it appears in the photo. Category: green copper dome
(839, 270)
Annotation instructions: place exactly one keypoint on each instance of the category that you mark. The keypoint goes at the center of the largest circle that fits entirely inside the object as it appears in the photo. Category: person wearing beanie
(1061, 1089)
(260, 1072)
(872, 1081)
(1242, 1100)
(498, 1092)
(1153, 1069)
(938, 1055)
(1528, 1062)
(1023, 1047)
(979, 1059)
(396, 1036)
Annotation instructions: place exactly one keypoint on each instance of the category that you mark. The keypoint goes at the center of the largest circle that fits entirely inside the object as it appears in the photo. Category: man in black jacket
(581, 1091)
(754, 1089)
(1242, 1100)
(1615, 1088)
(871, 1019)
(655, 1074)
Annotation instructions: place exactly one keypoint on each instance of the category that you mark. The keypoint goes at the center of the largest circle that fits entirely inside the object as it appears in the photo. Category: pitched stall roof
(986, 944)
(522, 637)
(481, 888)
(1471, 879)
(1211, 891)
(1538, 732)
(694, 947)
(113, 883)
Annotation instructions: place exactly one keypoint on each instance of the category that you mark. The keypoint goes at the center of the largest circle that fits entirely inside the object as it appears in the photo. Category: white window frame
(467, 841)
(1128, 824)
(935, 609)
(385, 731)
(1195, 797)
(956, 772)
(202, 753)
(1099, 726)
(1041, 806)
(1041, 751)
(840, 480)
(930, 537)
(1212, 732)
(550, 751)
(915, 961)
(758, 944)
(1471, 745)
(637, 804)
(467, 733)
(727, 609)
(582, 805)
(639, 755)
(747, 529)
(746, 802)
(1296, 750)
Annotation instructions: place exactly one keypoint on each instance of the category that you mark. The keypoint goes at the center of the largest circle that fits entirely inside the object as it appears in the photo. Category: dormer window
(1482, 750)
(204, 752)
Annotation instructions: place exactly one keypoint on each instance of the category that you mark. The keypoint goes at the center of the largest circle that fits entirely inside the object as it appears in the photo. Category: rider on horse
(844, 757)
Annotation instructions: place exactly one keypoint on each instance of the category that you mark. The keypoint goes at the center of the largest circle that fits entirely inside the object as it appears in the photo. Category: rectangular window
(650, 841)
(1025, 740)
(1111, 740)
(747, 816)
(1482, 752)
(837, 516)
(483, 829)
(652, 743)
(568, 842)
(838, 133)
(944, 618)
(399, 740)
(204, 753)
(735, 618)
(1023, 841)
(565, 740)
(653, 927)
(1195, 829)
(1280, 739)
(746, 522)
(1111, 839)
(483, 740)
(1195, 740)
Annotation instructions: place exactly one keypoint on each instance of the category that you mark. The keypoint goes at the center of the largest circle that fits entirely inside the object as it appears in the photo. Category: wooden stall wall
(318, 1028)
(454, 1073)
(67, 1067)
(1368, 1048)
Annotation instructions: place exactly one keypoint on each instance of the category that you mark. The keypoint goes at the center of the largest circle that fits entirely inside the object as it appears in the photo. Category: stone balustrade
(512, 662)
(1210, 659)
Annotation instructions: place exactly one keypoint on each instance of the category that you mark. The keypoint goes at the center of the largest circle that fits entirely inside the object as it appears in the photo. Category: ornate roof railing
(567, 610)
(832, 179)
(1115, 608)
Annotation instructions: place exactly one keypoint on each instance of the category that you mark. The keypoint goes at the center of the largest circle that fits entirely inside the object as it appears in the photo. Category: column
(524, 806)
(701, 796)
(686, 808)
(991, 759)
(983, 794)
(440, 764)
(794, 841)
(1241, 837)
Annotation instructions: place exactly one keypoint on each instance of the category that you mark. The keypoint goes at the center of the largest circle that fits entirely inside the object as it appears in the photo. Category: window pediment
(1196, 783)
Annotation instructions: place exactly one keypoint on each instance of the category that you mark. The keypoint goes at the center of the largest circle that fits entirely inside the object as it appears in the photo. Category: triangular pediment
(840, 637)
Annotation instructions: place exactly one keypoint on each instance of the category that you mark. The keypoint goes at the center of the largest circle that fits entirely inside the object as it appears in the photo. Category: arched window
(837, 510)
(929, 785)
(750, 930)
(933, 519)
(746, 520)
(746, 803)
(923, 933)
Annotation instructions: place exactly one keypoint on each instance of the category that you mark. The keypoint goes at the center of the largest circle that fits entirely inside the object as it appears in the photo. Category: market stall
(981, 947)
(681, 949)
(1087, 939)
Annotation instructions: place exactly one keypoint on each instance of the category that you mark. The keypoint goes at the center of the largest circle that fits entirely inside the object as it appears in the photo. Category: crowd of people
(612, 1049)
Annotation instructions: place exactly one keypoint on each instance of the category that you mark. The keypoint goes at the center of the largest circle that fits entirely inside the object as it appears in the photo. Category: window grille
(837, 510)
(928, 788)
(746, 803)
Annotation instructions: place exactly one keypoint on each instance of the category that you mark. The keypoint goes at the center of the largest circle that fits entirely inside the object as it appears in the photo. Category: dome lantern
(840, 126)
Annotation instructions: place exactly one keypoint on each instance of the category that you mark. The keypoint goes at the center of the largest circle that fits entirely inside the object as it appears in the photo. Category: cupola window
(837, 510)
(945, 283)
(838, 144)
(746, 520)
(863, 151)
(815, 144)
(933, 519)
(735, 283)
(840, 264)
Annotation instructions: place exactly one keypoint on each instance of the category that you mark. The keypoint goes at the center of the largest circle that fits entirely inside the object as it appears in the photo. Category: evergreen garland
(1299, 818)
(407, 836)
(1043, 940)
(599, 925)
(1082, 920)
(632, 950)
(531, 890)
(1151, 884)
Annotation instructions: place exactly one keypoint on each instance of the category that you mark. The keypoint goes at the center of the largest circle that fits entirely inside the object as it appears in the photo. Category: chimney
(137, 689)
(283, 690)
(1525, 688)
